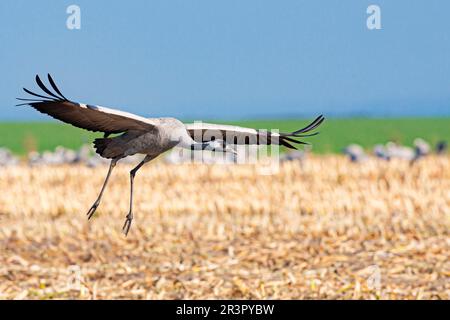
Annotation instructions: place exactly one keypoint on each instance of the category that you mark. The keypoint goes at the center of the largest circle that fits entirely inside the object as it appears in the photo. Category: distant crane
(149, 136)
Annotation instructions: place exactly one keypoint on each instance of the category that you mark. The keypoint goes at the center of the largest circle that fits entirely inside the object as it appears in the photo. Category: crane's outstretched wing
(89, 117)
(203, 132)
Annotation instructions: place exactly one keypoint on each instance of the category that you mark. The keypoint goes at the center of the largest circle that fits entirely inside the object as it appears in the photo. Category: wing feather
(203, 132)
(53, 84)
(90, 117)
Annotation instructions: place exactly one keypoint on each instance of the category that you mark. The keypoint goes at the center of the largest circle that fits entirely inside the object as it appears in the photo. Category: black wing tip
(313, 125)
(286, 144)
(50, 97)
(55, 87)
(287, 138)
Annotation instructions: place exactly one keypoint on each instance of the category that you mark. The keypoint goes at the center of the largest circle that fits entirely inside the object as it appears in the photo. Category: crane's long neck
(202, 146)
(193, 145)
(187, 142)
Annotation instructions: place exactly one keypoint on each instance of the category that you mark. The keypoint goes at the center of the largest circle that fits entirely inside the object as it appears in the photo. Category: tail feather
(100, 145)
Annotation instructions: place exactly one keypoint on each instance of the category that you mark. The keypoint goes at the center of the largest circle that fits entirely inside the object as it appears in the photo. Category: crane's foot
(127, 224)
(92, 209)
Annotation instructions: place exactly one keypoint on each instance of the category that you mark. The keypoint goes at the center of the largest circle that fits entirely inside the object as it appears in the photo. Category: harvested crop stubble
(322, 228)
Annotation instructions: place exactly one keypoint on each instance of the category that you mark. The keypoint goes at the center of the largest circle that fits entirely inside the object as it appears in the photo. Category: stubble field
(321, 228)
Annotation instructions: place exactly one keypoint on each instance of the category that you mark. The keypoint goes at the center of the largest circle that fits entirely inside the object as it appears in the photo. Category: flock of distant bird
(392, 150)
(86, 155)
(60, 155)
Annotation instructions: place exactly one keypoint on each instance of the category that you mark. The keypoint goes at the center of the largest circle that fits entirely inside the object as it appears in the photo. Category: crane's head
(218, 146)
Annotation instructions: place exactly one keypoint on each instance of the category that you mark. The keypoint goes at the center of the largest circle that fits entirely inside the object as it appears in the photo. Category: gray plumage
(149, 136)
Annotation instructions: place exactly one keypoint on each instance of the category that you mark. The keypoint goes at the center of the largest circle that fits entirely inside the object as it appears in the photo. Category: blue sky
(231, 59)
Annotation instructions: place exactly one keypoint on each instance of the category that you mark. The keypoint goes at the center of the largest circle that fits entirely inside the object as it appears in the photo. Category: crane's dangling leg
(97, 202)
(129, 217)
